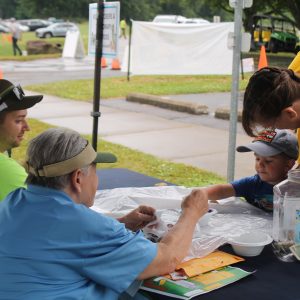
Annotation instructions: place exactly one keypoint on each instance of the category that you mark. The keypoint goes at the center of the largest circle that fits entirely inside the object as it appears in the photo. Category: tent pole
(238, 12)
(97, 73)
(129, 51)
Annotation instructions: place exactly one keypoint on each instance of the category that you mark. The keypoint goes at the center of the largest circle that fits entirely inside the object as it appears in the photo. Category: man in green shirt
(123, 28)
(13, 125)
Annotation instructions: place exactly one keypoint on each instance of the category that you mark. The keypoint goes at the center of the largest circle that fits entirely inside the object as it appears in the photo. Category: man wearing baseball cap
(13, 125)
(275, 154)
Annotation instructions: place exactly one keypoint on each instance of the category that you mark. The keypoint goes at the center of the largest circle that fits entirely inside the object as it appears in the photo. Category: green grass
(119, 86)
(176, 173)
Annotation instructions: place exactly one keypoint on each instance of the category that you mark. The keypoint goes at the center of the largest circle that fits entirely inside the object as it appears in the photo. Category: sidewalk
(200, 141)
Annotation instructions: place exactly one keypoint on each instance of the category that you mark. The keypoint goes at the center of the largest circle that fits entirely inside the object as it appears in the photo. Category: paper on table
(210, 262)
(198, 285)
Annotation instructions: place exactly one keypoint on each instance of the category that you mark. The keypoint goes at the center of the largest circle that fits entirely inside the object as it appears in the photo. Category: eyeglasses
(16, 89)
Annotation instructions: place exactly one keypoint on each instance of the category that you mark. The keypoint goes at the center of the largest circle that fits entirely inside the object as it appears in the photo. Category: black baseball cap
(12, 97)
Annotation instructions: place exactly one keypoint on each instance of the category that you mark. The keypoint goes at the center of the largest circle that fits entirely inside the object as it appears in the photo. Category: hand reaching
(196, 203)
(138, 218)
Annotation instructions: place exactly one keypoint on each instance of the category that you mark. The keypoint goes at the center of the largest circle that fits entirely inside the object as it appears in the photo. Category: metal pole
(242, 67)
(97, 73)
(238, 11)
(129, 51)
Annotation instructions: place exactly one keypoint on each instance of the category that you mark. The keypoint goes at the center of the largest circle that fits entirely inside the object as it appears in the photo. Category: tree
(145, 10)
(289, 9)
(68, 9)
(8, 9)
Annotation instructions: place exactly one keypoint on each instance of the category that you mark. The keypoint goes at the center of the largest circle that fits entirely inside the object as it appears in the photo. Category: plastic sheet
(231, 217)
(165, 220)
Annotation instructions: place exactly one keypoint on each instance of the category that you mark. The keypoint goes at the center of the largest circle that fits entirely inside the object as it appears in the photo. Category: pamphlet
(194, 286)
(212, 261)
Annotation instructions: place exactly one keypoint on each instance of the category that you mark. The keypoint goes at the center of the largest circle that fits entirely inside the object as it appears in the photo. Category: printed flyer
(194, 286)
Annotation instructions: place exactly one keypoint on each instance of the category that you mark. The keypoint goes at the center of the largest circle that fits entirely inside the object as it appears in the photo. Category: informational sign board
(73, 46)
(110, 29)
(248, 64)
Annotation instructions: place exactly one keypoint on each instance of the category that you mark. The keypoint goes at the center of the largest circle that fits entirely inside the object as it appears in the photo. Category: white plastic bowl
(250, 244)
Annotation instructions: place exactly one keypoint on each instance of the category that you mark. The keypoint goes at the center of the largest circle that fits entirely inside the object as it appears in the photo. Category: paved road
(50, 70)
(58, 69)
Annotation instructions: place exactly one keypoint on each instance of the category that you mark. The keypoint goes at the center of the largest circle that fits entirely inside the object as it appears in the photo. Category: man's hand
(175, 244)
(138, 218)
(196, 203)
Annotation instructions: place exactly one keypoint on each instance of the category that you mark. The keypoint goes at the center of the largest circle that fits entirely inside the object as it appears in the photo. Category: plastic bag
(231, 217)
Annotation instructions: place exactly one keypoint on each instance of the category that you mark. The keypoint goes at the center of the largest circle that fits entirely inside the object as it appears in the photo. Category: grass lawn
(157, 85)
(176, 173)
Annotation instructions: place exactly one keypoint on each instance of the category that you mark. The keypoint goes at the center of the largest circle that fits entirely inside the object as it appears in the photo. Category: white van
(169, 19)
(196, 21)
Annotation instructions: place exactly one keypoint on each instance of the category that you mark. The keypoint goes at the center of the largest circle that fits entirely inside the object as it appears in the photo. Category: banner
(179, 49)
(110, 28)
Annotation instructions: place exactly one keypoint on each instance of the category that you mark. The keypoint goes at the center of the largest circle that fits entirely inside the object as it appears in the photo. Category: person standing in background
(16, 35)
(123, 26)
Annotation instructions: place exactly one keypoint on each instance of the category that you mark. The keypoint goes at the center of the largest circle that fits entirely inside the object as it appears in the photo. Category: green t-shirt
(12, 175)
(123, 24)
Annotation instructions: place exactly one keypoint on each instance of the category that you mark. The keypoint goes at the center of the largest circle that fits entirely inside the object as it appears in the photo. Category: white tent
(179, 49)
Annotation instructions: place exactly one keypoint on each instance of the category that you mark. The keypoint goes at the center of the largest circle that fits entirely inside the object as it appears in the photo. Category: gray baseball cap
(273, 142)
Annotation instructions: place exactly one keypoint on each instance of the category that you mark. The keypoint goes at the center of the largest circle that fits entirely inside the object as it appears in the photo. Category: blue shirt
(53, 248)
(255, 191)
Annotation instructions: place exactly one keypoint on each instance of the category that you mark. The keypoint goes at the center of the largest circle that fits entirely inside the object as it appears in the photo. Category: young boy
(275, 153)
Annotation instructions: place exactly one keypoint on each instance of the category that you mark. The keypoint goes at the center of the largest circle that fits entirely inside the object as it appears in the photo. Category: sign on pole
(73, 46)
(111, 23)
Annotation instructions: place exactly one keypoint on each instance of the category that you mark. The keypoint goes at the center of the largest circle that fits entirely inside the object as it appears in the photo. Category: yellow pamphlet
(213, 261)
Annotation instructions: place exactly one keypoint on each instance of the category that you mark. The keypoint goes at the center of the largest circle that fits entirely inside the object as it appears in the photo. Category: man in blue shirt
(275, 154)
(54, 247)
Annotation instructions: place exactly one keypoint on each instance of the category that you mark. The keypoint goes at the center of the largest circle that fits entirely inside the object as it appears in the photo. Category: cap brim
(26, 102)
(259, 148)
(105, 157)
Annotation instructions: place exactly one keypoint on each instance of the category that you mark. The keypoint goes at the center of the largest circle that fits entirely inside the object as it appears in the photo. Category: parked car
(7, 24)
(169, 19)
(4, 28)
(56, 29)
(54, 20)
(34, 24)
